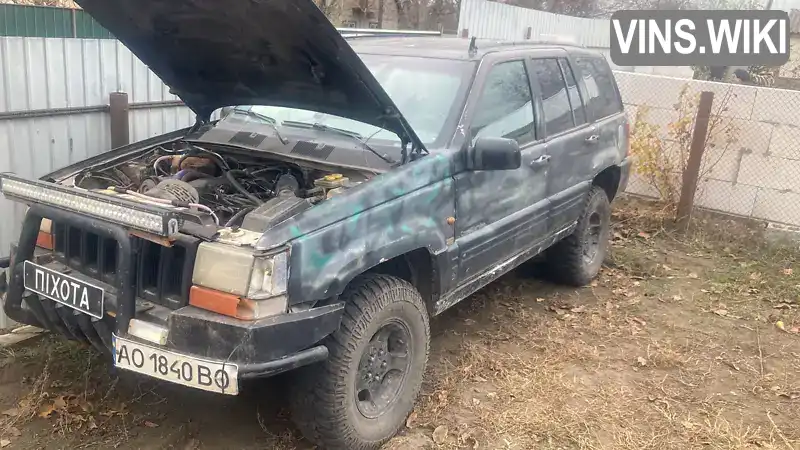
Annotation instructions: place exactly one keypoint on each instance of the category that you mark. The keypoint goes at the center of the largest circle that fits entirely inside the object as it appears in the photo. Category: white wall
(759, 174)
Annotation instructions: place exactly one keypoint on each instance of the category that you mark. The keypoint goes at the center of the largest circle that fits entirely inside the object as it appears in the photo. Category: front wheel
(577, 259)
(362, 394)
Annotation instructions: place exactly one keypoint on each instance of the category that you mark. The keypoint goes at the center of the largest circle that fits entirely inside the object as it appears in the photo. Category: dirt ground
(684, 341)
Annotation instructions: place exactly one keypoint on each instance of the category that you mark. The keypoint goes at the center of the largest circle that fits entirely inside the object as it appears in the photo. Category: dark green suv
(333, 195)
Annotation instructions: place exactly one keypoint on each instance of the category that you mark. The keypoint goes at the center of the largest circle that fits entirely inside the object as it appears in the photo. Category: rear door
(566, 129)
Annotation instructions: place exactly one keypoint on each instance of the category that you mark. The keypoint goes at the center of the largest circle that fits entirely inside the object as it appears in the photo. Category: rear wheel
(362, 394)
(577, 259)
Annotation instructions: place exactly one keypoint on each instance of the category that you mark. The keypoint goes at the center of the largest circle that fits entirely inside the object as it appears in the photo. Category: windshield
(424, 89)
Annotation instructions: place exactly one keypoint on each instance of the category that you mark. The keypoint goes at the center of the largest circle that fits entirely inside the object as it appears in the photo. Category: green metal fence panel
(86, 27)
(43, 21)
(35, 21)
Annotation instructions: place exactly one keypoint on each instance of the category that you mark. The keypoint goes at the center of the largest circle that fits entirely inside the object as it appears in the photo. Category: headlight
(247, 285)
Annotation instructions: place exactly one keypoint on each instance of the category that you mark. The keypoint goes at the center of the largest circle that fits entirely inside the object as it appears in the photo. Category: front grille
(163, 274)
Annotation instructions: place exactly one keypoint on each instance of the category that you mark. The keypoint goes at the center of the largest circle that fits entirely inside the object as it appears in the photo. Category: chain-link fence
(751, 162)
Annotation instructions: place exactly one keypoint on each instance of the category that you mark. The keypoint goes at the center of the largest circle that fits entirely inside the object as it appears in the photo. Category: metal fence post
(120, 130)
(698, 146)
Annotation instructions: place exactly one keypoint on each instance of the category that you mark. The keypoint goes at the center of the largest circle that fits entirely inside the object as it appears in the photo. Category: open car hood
(215, 53)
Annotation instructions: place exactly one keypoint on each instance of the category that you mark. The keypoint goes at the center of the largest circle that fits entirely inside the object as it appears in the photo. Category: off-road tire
(323, 400)
(566, 262)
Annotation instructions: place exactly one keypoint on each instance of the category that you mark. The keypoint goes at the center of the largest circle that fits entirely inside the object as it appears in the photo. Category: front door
(501, 213)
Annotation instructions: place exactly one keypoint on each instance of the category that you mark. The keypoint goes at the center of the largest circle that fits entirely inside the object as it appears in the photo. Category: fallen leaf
(13, 412)
(440, 434)
(787, 271)
(149, 424)
(644, 235)
(693, 275)
(780, 325)
(46, 411)
(721, 312)
(641, 361)
(790, 395)
(14, 431)
(755, 276)
(476, 401)
(539, 300)
(639, 321)
(4, 443)
(579, 309)
(59, 402)
(666, 267)
(795, 330)
(480, 379)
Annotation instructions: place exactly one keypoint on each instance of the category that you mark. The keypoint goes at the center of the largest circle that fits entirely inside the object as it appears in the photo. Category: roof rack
(375, 32)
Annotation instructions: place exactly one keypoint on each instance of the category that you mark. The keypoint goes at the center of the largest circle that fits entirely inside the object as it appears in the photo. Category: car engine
(250, 192)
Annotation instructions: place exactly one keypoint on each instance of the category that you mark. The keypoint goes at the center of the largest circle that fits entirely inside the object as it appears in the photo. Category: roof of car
(445, 47)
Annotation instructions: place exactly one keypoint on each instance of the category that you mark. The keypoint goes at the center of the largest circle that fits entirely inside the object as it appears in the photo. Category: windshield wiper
(341, 132)
(264, 118)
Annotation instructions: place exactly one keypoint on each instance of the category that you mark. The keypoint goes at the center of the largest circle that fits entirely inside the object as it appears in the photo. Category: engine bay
(216, 186)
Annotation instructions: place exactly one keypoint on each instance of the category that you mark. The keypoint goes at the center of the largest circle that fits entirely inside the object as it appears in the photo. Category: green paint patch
(295, 231)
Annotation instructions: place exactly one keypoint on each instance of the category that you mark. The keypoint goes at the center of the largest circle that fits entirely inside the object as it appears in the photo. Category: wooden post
(698, 146)
(119, 124)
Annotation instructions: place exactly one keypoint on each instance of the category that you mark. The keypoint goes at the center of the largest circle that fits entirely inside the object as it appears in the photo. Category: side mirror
(493, 153)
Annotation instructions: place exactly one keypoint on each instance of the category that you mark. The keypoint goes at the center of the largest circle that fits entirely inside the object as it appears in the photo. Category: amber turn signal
(221, 303)
(45, 240)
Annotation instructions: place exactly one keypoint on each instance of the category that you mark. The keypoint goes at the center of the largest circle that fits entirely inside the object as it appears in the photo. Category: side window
(555, 102)
(505, 108)
(603, 100)
(574, 94)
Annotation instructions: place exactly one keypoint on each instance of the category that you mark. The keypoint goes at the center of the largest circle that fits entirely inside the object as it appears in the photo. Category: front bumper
(260, 348)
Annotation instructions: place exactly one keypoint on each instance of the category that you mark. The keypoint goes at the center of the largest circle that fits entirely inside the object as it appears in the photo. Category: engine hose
(235, 218)
(241, 188)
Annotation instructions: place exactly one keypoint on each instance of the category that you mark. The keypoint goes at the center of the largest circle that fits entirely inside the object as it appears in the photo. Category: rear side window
(505, 108)
(602, 98)
(574, 95)
(555, 102)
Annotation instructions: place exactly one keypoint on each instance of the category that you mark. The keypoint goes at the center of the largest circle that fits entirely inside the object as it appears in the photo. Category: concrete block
(638, 185)
(778, 206)
(779, 106)
(726, 197)
(651, 90)
(785, 142)
(770, 172)
(730, 100)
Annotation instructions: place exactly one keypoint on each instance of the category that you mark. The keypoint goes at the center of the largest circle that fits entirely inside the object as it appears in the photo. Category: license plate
(64, 289)
(187, 370)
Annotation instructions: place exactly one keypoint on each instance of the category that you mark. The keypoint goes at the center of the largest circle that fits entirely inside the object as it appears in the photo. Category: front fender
(322, 263)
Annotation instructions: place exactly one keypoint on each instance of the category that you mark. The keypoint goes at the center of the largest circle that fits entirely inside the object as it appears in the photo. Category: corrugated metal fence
(494, 20)
(54, 108)
(45, 21)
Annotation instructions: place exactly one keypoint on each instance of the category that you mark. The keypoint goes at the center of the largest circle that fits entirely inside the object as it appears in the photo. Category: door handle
(540, 161)
(593, 139)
